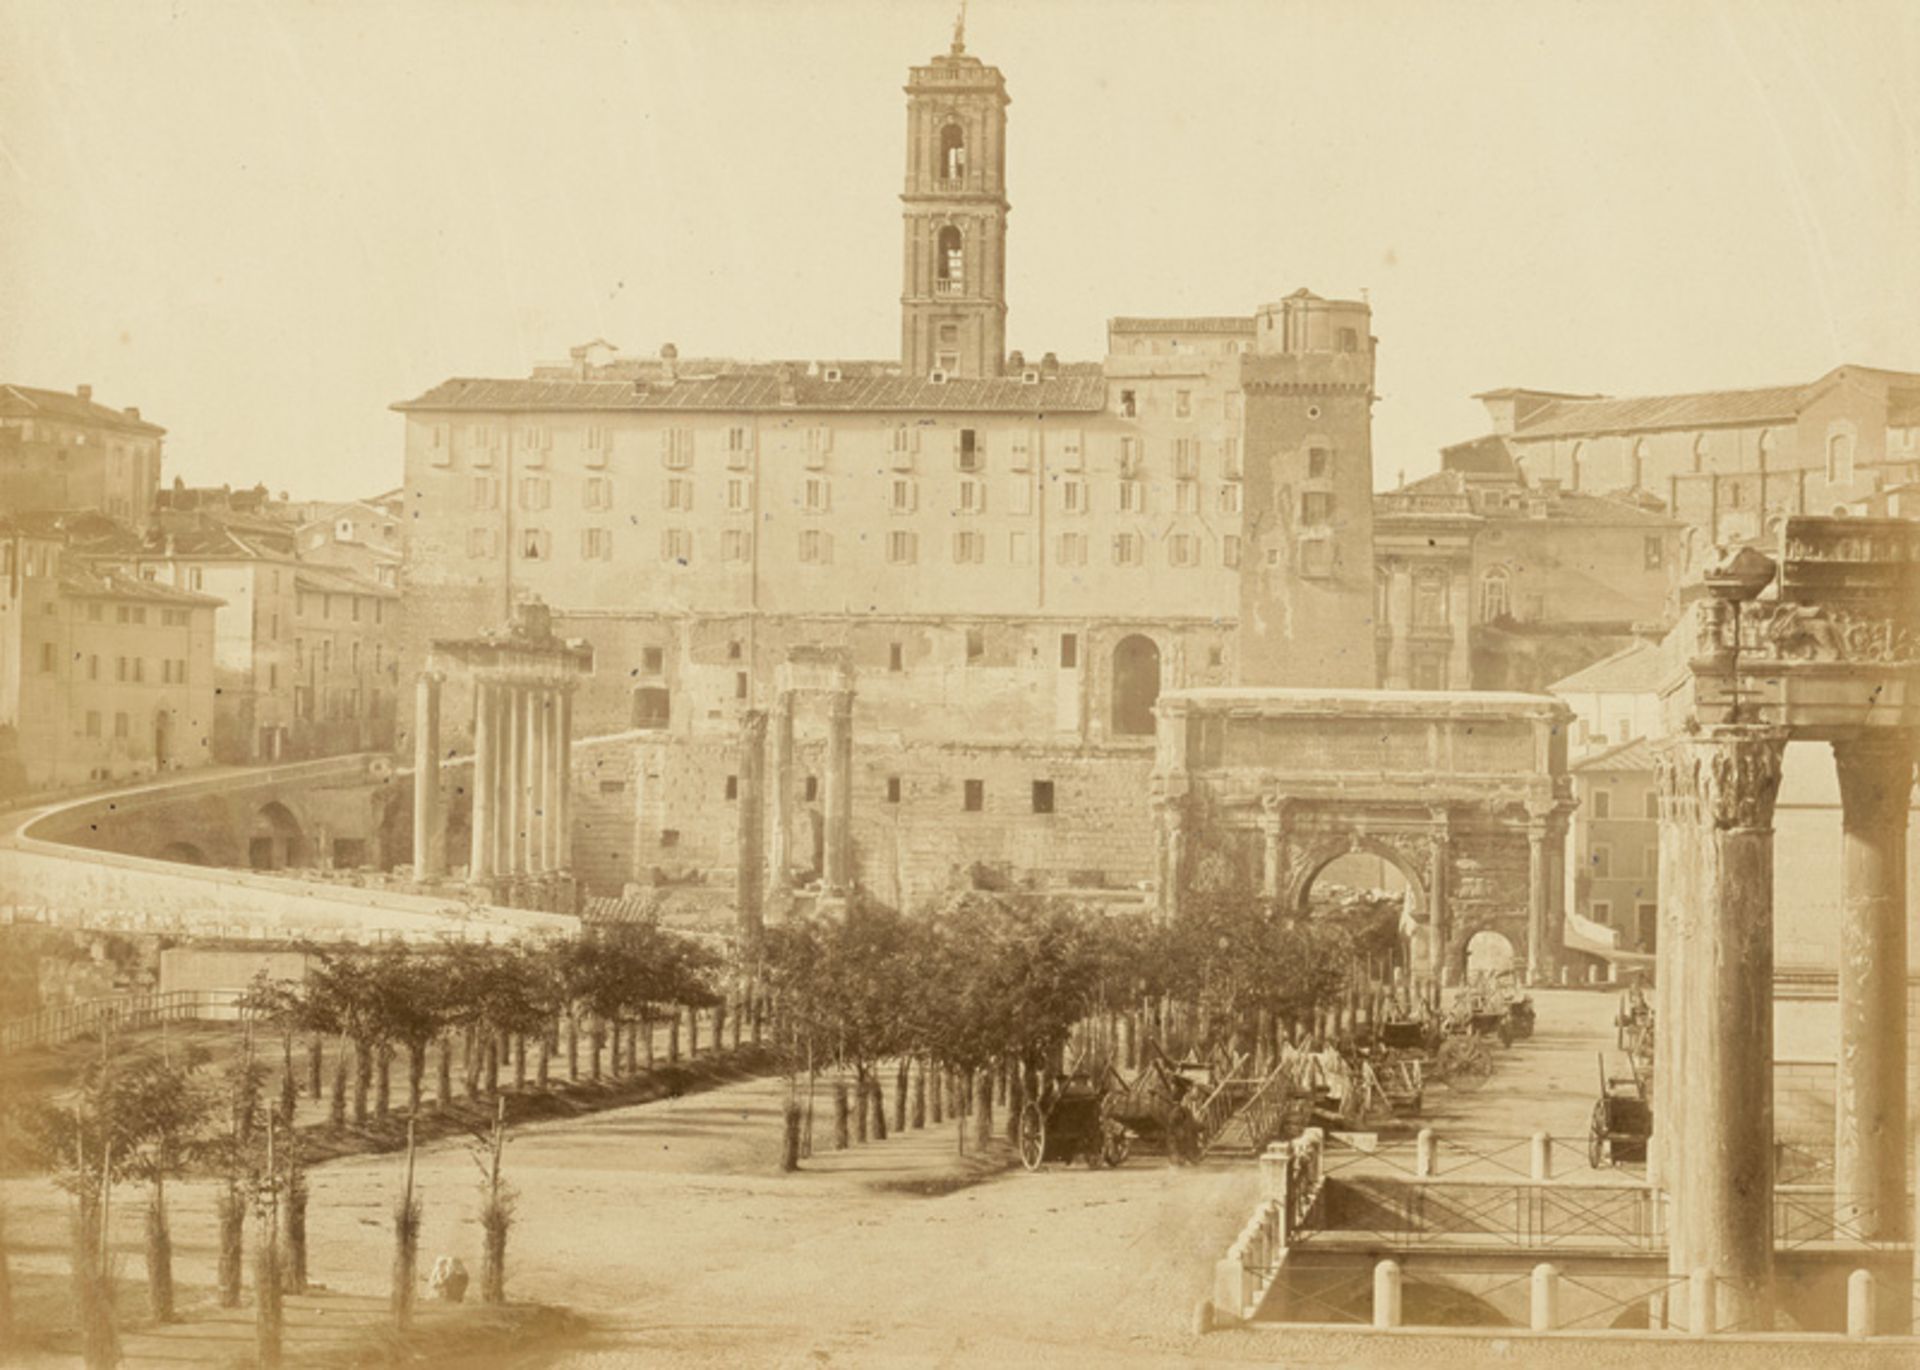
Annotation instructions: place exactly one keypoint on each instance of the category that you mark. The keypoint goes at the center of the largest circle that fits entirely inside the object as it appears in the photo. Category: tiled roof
(82, 584)
(1633, 755)
(85, 530)
(1601, 509)
(1076, 389)
(30, 401)
(1637, 669)
(333, 580)
(1706, 409)
(1212, 323)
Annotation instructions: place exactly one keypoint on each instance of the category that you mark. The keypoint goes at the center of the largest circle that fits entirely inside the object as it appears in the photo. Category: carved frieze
(1789, 631)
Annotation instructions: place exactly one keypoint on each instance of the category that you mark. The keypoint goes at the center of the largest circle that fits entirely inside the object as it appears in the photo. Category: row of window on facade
(128, 670)
(1431, 606)
(1065, 448)
(901, 547)
(973, 793)
(325, 601)
(1838, 453)
(323, 658)
(122, 725)
(133, 615)
(815, 496)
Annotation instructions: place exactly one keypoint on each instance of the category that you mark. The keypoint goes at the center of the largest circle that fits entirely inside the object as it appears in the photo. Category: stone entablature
(1466, 793)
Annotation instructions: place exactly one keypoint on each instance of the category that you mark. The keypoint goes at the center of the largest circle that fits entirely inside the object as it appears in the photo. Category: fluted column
(537, 781)
(1539, 873)
(484, 844)
(1723, 1096)
(429, 814)
(1870, 1084)
(1273, 846)
(779, 853)
(750, 797)
(1438, 932)
(839, 804)
(507, 860)
(563, 778)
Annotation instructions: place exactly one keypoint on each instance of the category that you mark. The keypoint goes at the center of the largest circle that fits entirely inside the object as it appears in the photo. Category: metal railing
(121, 1013)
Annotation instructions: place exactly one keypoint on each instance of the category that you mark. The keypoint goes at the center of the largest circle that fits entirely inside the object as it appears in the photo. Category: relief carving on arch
(1791, 631)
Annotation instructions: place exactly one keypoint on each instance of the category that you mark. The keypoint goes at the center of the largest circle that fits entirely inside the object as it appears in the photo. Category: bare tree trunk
(416, 1075)
(362, 1082)
(879, 1093)
(443, 1088)
(983, 1110)
(314, 1051)
(900, 1094)
(337, 1108)
(573, 1046)
(920, 1096)
(596, 1038)
(841, 1138)
(383, 1083)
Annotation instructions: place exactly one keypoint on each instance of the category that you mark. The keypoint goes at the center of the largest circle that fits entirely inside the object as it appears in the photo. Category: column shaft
(750, 796)
(1725, 1143)
(563, 778)
(1870, 1084)
(839, 804)
(780, 836)
(429, 815)
(1539, 963)
(508, 780)
(537, 781)
(483, 783)
(1439, 934)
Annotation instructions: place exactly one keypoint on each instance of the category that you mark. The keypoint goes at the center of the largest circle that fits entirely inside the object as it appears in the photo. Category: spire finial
(960, 30)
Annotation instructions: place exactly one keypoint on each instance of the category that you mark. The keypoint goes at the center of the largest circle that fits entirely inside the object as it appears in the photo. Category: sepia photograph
(639, 727)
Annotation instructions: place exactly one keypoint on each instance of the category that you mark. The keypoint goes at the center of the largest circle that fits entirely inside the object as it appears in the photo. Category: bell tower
(953, 304)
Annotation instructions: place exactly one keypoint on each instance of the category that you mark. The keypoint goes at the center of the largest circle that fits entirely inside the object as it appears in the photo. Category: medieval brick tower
(953, 304)
(1306, 579)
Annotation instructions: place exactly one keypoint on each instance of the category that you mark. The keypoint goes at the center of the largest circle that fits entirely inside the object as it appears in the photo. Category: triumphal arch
(1466, 793)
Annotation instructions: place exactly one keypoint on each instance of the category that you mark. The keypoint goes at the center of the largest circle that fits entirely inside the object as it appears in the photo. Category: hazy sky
(263, 223)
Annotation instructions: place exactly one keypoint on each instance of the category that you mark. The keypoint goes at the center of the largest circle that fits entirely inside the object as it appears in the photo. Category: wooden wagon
(1622, 1120)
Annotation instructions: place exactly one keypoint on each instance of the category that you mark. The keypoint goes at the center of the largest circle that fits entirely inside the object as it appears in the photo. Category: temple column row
(838, 863)
(522, 762)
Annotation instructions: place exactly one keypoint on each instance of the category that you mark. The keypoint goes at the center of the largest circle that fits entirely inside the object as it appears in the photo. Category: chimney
(669, 359)
(132, 411)
(1049, 365)
(85, 392)
(1016, 360)
(789, 393)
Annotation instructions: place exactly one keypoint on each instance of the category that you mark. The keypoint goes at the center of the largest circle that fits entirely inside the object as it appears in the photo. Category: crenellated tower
(953, 304)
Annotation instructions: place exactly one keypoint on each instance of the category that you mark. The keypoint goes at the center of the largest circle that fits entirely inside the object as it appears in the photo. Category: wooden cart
(1622, 1120)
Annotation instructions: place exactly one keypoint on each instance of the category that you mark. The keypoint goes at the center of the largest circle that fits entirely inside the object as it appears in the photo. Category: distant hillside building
(103, 675)
(61, 451)
(1486, 583)
(1728, 463)
(1016, 555)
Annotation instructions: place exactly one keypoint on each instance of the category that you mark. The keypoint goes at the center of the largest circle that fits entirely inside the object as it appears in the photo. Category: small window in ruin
(1216, 655)
(739, 684)
(896, 657)
(893, 789)
(733, 651)
(613, 787)
(1319, 462)
(733, 787)
(1043, 796)
(976, 644)
(651, 707)
(1349, 340)
(669, 837)
(1129, 405)
(812, 788)
(653, 660)
(1069, 651)
(976, 796)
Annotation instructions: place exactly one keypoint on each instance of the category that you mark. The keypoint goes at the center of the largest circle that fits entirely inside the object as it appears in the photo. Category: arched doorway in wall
(276, 840)
(1136, 685)
(1379, 901)
(1489, 953)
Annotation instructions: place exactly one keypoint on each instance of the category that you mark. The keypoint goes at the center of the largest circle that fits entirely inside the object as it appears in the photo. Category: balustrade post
(1543, 1303)
(1386, 1294)
(1863, 1305)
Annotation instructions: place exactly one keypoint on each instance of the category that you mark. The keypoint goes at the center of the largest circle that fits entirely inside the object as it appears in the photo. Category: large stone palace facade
(1013, 557)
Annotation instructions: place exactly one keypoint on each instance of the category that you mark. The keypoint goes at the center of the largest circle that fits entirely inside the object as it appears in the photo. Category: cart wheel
(1472, 1066)
(1033, 1136)
(1597, 1137)
(1115, 1145)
